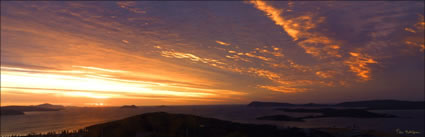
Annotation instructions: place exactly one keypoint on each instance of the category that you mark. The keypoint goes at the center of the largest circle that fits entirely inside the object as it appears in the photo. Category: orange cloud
(222, 43)
(325, 74)
(299, 29)
(258, 57)
(417, 38)
(358, 63)
(274, 53)
(264, 73)
(276, 15)
(283, 89)
(181, 55)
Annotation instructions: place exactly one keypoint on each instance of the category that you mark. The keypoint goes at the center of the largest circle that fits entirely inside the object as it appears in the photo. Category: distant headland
(19, 110)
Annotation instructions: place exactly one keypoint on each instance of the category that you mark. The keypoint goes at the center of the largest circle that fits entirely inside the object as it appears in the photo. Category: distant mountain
(370, 104)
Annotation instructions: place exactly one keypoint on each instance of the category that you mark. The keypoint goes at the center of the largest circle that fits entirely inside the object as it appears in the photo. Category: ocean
(72, 118)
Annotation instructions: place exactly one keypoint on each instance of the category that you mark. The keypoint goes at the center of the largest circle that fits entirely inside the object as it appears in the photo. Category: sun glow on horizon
(91, 84)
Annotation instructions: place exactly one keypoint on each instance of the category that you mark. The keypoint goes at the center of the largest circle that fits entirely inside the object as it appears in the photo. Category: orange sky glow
(117, 53)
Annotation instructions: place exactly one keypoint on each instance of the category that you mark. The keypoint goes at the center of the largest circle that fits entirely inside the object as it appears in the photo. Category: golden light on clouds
(314, 43)
(358, 64)
(276, 15)
(299, 28)
(283, 89)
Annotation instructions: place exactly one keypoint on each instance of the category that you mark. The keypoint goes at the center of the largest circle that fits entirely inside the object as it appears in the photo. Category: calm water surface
(75, 118)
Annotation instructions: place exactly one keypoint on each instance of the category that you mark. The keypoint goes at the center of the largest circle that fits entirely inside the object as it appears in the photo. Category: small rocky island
(325, 112)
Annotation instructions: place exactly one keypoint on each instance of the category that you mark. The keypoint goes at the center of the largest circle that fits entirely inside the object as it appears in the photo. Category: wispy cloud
(130, 6)
(416, 39)
(283, 89)
(222, 43)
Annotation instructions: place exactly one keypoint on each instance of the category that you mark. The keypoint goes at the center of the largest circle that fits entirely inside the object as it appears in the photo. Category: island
(325, 112)
(129, 106)
(19, 110)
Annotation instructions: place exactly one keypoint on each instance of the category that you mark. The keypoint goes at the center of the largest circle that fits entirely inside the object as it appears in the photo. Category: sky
(110, 53)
